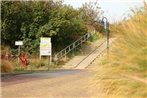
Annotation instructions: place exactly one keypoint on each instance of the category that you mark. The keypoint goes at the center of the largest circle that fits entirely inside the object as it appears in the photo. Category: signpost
(46, 48)
(18, 43)
(106, 28)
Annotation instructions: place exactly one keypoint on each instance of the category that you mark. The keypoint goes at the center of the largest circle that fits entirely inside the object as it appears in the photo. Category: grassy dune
(124, 75)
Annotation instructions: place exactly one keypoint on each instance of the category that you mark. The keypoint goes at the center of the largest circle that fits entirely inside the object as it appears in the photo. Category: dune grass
(124, 74)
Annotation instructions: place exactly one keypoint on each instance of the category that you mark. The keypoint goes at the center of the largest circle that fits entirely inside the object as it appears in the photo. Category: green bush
(95, 36)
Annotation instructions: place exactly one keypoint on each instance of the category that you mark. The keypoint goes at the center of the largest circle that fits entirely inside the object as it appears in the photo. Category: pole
(19, 50)
(18, 53)
(50, 61)
(107, 40)
(107, 44)
(65, 57)
(106, 27)
(51, 56)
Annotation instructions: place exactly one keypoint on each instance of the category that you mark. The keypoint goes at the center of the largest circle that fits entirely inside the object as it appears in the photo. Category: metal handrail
(72, 46)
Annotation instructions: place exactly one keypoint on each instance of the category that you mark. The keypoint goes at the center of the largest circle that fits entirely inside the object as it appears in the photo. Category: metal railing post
(65, 54)
(73, 45)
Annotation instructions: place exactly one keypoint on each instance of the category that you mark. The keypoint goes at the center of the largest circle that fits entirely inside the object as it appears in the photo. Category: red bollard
(24, 59)
(3, 55)
(9, 56)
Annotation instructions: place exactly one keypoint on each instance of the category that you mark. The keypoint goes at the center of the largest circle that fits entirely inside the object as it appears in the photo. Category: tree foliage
(29, 20)
(91, 13)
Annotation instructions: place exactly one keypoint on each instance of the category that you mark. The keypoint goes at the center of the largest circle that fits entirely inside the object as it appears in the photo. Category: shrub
(7, 66)
(96, 36)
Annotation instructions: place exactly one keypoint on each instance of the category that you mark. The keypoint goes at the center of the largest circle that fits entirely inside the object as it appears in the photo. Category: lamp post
(105, 24)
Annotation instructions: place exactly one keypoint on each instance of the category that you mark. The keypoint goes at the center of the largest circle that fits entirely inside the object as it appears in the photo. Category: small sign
(45, 46)
(17, 43)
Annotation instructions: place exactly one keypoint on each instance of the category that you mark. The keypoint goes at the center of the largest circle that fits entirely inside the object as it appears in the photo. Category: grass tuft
(7, 66)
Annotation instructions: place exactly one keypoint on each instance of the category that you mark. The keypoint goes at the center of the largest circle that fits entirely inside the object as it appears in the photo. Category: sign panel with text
(17, 43)
(45, 46)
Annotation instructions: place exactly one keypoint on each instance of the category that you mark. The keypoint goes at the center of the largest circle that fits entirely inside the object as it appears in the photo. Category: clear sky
(114, 10)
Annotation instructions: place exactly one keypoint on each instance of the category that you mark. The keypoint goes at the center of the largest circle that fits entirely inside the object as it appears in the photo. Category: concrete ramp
(92, 56)
(71, 64)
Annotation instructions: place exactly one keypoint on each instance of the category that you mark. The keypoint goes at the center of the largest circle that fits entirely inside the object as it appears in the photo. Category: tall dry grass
(125, 73)
(6, 66)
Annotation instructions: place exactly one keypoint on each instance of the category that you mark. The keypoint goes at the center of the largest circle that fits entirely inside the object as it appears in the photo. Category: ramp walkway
(85, 51)
(83, 61)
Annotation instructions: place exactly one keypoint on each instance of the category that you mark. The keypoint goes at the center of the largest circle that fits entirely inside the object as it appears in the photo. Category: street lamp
(105, 25)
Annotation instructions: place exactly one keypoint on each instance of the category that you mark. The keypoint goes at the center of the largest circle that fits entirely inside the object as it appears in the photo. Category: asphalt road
(55, 84)
(7, 80)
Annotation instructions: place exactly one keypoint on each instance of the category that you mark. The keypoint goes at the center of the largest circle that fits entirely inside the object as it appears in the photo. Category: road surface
(55, 84)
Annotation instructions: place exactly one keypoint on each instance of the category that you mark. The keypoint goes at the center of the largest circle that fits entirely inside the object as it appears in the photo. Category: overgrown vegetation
(7, 66)
(96, 36)
(125, 73)
(30, 20)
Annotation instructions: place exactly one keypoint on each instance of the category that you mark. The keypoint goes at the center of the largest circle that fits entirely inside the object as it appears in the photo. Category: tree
(91, 13)
(29, 20)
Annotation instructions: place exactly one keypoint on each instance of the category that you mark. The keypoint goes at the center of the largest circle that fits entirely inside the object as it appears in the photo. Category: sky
(114, 10)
